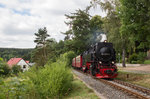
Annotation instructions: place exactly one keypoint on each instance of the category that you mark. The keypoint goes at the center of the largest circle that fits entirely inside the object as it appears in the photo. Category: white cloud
(20, 19)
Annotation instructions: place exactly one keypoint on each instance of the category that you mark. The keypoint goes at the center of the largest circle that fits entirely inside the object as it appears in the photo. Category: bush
(16, 69)
(16, 88)
(141, 57)
(133, 58)
(52, 81)
(69, 56)
(4, 69)
(137, 58)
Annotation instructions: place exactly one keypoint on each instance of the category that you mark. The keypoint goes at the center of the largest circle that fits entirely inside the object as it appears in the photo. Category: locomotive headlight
(112, 62)
(100, 62)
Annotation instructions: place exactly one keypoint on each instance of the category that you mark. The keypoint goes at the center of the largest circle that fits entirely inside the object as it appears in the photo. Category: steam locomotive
(98, 60)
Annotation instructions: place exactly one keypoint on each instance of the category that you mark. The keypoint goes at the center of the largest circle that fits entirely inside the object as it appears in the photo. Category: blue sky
(20, 19)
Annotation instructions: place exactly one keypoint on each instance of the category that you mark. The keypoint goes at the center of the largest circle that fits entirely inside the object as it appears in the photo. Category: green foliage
(57, 82)
(135, 20)
(4, 69)
(147, 62)
(8, 53)
(141, 57)
(54, 80)
(133, 58)
(40, 54)
(79, 34)
(16, 69)
(41, 36)
(69, 56)
(83, 32)
(137, 58)
(16, 88)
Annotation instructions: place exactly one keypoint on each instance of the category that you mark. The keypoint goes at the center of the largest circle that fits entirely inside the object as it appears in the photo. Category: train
(98, 60)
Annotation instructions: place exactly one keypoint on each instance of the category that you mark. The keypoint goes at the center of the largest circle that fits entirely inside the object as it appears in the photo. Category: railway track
(139, 88)
(130, 89)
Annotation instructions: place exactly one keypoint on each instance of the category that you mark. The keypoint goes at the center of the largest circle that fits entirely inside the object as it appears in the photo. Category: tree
(41, 51)
(135, 20)
(112, 25)
(79, 33)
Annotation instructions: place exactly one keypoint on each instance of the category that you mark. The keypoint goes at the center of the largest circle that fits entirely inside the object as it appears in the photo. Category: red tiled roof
(27, 61)
(13, 61)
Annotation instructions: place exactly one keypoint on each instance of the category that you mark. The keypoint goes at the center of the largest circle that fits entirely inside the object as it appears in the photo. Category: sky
(20, 19)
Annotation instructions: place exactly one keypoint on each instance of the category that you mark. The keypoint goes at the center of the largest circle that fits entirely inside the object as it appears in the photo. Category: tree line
(8, 53)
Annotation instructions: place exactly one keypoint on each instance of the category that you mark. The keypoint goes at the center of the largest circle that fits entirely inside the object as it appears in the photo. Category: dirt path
(140, 69)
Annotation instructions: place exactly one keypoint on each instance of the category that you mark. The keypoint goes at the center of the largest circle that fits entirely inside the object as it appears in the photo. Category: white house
(18, 61)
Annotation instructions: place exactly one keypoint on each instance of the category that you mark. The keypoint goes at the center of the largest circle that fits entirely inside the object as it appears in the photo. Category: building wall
(23, 64)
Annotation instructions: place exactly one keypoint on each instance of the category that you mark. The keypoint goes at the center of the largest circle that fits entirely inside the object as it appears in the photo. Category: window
(24, 66)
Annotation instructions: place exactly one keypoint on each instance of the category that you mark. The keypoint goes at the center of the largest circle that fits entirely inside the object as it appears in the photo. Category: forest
(8, 53)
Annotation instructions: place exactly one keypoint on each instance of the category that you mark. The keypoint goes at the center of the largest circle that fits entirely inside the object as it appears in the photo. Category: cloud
(20, 19)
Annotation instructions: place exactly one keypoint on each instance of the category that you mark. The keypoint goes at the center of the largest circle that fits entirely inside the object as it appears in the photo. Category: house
(18, 61)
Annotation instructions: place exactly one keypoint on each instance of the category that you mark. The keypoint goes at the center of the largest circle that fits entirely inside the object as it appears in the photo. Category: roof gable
(13, 61)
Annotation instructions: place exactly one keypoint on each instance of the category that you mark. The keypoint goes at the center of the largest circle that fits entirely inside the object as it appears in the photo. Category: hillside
(7, 53)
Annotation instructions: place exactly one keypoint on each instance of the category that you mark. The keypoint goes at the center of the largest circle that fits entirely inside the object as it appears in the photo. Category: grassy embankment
(147, 62)
(135, 78)
(80, 91)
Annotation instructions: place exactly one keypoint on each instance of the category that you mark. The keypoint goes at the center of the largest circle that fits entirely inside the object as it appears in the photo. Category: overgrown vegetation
(52, 81)
(6, 71)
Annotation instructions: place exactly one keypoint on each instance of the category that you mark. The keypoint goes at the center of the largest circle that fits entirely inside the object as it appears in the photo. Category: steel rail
(144, 90)
(136, 94)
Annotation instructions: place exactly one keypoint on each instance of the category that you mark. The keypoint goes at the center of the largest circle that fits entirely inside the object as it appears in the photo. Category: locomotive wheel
(92, 71)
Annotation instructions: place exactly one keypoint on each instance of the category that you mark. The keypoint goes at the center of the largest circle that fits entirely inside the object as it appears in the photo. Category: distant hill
(7, 53)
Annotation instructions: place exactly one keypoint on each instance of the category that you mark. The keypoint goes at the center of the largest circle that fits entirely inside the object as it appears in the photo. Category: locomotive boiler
(98, 60)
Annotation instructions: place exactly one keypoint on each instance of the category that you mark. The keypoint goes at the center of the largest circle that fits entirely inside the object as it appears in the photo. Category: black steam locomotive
(98, 60)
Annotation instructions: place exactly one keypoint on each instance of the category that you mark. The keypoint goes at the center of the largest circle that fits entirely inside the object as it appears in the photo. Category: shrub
(16, 88)
(16, 69)
(132, 58)
(4, 69)
(141, 57)
(69, 56)
(137, 58)
(52, 81)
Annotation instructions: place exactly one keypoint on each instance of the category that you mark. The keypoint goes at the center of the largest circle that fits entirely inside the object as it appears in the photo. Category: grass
(80, 91)
(147, 62)
(134, 78)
